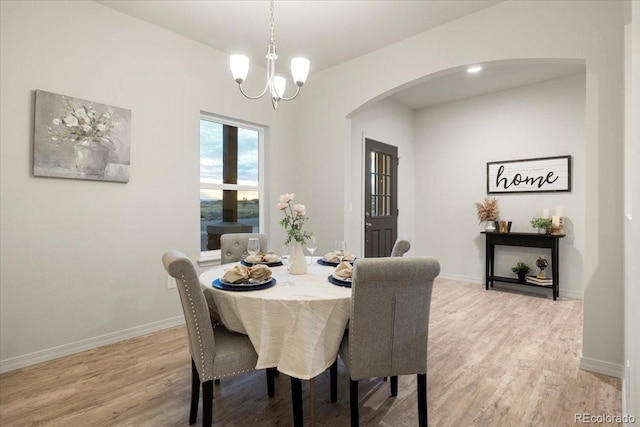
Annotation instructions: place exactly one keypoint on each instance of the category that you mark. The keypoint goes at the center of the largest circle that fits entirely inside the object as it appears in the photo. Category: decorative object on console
(488, 212)
(521, 269)
(504, 226)
(275, 84)
(541, 263)
(557, 226)
(542, 224)
(79, 139)
(540, 175)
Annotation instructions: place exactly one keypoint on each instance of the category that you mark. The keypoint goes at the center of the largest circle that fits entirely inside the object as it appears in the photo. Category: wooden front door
(380, 198)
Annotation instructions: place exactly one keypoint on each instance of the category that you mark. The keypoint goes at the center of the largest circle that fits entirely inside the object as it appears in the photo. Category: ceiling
(330, 32)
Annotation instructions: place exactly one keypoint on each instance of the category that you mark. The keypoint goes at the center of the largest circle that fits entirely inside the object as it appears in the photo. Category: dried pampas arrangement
(487, 210)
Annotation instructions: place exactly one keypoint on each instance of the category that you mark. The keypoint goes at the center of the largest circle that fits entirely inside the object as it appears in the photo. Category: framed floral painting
(79, 139)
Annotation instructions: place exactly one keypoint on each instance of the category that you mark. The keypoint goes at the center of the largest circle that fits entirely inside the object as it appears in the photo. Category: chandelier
(275, 84)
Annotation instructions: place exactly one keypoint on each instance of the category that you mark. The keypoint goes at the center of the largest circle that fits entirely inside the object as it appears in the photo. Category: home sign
(540, 175)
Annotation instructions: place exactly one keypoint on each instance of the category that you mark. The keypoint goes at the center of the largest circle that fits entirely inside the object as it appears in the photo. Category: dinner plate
(339, 282)
(323, 261)
(268, 264)
(254, 286)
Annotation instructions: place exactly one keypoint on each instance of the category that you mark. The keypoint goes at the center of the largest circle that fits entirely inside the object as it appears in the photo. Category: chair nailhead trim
(197, 327)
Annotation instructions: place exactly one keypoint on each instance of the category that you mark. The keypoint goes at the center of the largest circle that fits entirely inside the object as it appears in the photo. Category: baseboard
(462, 278)
(601, 367)
(88, 344)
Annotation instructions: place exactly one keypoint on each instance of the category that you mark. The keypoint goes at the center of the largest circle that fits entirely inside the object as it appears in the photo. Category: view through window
(229, 180)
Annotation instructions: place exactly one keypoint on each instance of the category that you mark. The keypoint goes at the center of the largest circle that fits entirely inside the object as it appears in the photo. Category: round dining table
(297, 328)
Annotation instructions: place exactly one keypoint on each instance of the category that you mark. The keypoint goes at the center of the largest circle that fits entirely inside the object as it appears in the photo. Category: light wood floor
(495, 359)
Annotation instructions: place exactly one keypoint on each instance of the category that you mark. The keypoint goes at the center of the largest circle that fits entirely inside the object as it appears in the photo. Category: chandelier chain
(272, 22)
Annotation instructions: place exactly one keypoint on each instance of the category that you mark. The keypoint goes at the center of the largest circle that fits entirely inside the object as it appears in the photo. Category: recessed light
(474, 69)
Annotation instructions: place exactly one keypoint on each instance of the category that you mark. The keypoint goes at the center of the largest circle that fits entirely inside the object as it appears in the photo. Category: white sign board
(549, 174)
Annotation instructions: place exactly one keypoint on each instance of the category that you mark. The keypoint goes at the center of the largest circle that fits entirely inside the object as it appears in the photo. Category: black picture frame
(536, 175)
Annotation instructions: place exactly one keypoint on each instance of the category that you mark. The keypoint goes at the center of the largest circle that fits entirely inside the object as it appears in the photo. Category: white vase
(489, 226)
(298, 261)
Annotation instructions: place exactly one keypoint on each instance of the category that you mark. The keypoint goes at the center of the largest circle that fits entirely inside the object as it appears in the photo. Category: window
(230, 180)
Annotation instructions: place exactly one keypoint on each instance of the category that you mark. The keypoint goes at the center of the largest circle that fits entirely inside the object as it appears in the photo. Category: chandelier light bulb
(239, 67)
(279, 85)
(300, 70)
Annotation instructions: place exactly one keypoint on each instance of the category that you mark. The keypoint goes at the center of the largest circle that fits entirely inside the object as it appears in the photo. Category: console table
(531, 240)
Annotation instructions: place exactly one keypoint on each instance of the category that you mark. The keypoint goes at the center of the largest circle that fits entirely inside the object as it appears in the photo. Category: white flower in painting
(81, 113)
(83, 125)
(70, 121)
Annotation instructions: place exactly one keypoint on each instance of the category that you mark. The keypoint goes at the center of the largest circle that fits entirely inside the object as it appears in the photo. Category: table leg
(312, 401)
(296, 400)
(555, 263)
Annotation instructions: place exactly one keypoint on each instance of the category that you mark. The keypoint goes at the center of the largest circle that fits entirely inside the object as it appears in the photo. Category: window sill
(208, 260)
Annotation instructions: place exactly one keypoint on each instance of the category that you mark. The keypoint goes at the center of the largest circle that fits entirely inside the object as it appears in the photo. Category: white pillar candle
(559, 211)
(545, 213)
(555, 221)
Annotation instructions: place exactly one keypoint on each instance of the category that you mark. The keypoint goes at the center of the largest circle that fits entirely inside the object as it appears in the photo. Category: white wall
(588, 30)
(81, 259)
(389, 122)
(454, 142)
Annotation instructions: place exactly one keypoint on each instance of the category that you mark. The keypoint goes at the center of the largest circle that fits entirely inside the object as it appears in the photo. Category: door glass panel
(380, 185)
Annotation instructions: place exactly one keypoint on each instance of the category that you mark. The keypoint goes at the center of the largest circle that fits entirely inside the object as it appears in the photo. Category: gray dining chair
(215, 352)
(389, 325)
(233, 246)
(401, 247)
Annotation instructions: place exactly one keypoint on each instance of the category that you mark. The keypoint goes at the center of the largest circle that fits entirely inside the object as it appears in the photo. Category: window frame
(209, 257)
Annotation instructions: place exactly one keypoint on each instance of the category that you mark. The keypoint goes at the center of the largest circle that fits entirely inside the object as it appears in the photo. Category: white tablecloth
(297, 329)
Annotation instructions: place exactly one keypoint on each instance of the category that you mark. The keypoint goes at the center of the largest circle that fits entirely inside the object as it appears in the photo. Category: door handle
(367, 224)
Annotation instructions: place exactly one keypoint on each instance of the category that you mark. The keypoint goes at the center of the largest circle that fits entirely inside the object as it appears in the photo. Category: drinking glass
(341, 249)
(312, 245)
(285, 257)
(253, 246)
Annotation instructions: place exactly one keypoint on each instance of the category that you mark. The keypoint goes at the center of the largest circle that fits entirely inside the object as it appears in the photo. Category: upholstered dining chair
(401, 247)
(389, 324)
(215, 353)
(233, 246)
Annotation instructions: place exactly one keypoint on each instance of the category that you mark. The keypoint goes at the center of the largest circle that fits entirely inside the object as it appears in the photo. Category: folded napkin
(271, 257)
(262, 258)
(259, 273)
(332, 257)
(237, 274)
(344, 270)
(242, 274)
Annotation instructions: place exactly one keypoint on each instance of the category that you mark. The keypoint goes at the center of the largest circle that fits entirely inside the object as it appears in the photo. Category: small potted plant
(521, 269)
(542, 224)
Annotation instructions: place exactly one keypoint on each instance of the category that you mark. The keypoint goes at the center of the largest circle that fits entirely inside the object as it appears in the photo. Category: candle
(555, 221)
(545, 213)
(559, 211)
